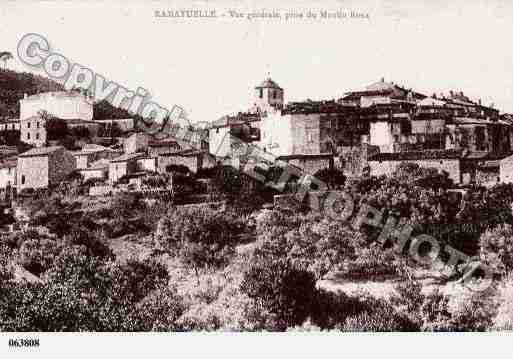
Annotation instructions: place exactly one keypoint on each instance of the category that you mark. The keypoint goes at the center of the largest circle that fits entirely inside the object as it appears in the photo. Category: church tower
(268, 96)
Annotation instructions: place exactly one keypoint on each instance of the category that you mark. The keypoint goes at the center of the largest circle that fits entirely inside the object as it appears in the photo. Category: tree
(56, 128)
(5, 56)
(332, 177)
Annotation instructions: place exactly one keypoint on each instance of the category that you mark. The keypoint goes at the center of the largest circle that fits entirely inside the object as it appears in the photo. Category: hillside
(13, 85)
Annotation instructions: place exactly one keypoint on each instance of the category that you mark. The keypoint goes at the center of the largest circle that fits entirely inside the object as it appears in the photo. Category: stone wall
(32, 172)
(136, 143)
(311, 165)
(192, 162)
(7, 176)
(452, 166)
(506, 170)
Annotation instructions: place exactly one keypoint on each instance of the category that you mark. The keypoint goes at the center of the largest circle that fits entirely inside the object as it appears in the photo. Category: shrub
(287, 292)
(377, 315)
(504, 318)
(37, 254)
(497, 247)
(373, 262)
(472, 311)
(332, 177)
(159, 311)
(202, 237)
(434, 313)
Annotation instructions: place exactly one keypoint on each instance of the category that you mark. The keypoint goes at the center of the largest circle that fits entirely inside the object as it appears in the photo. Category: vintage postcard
(313, 168)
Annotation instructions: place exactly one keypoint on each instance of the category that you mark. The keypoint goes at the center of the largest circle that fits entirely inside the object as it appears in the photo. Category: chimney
(434, 96)
(451, 93)
(461, 93)
(479, 102)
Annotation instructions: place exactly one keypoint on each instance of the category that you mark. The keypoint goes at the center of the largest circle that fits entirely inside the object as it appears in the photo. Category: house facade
(62, 104)
(43, 167)
(33, 130)
(123, 165)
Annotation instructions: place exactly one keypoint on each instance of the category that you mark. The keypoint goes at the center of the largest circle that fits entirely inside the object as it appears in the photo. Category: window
(37, 124)
(28, 136)
(217, 130)
(261, 93)
(22, 179)
(37, 136)
(28, 124)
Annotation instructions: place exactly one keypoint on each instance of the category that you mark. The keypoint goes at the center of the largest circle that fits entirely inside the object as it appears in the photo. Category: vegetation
(200, 267)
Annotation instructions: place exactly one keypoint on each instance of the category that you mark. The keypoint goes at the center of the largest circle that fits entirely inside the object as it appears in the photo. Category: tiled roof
(184, 153)
(238, 119)
(439, 155)
(56, 94)
(269, 83)
(41, 151)
(472, 121)
(98, 165)
(162, 143)
(128, 157)
(309, 107)
(417, 155)
(91, 148)
(305, 156)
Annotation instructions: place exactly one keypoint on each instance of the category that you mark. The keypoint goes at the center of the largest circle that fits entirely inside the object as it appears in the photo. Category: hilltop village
(104, 227)
(366, 132)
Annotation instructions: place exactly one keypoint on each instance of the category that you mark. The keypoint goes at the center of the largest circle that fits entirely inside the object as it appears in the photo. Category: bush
(38, 253)
(159, 311)
(504, 318)
(287, 292)
(373, 262)
(497, 248)
(377, 315)
(332, 177)
(472, 311)
(202, 237)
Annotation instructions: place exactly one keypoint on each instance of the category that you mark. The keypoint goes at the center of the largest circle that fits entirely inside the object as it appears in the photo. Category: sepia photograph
(226, 175)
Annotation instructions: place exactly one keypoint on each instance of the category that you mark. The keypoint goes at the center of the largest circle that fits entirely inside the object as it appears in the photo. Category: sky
(210, 67)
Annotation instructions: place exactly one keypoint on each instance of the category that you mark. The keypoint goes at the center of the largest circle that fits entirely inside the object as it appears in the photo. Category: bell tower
(268, 96)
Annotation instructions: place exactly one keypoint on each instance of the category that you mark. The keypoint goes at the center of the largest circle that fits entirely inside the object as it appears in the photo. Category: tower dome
(268, 95)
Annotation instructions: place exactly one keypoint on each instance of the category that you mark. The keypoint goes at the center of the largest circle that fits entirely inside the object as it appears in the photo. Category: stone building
(243, 126)
(10, 124)
(448, 161)
(309, 164)
(381, 93)
(62, 104)
(191, 159)
(312, 128)
(137, 142)
(43, 167)
(156, 147)
(269, 96)
(124, 124)
(92, 153)
(33, 130)
(123, 165)
(96, 170)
